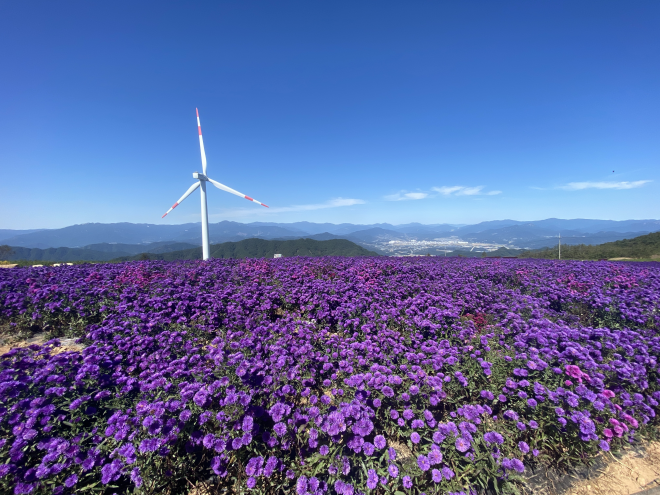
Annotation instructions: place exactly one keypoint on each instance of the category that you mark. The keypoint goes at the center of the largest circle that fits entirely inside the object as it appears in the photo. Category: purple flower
(438, 437)
(494, 437)
(462, 445)
(372, 479)
(71, 480)
(423, 463)
(279, 411)
(414, 437)
(324, 450)
(4, 470)
(301, 485)
(271, 464)
(136, 478)
(237, 443)
(253, 466)
(488, 395)
(391, 453)
(251, 482)
(436, 475)
(447, 473)
(407, 482)
(523, 447)
(435, 456)
(379, 442)
(604, 445)
(512, 415)
(387, 391)
(393, 470)
(513, 464)
(219, 466)
(280, 429)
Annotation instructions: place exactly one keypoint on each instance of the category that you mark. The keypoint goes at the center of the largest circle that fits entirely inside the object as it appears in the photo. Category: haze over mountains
(127, 239)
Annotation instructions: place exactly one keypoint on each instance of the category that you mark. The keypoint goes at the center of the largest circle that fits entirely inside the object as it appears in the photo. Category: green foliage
(260, 248)
(57, 255)
(645, 246)
(5, 251)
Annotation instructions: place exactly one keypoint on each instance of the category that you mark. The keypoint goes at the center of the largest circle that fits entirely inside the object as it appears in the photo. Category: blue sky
(338, 111)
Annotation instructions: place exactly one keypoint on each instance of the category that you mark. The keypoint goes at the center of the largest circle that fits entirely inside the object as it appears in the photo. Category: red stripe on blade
(248, 197)
(163, 215)
(200, 129)
(175, 205)
(265, 205)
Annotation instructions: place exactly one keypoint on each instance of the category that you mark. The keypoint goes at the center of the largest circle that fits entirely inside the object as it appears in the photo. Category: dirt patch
(401, 449)
(632, 473)
(637, 470)
(619, 259)
(66, 345)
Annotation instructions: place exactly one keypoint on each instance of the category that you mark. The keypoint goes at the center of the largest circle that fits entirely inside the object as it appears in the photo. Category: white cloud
(578, 186)
(447, 190)
(332, 203)
(403, 196)
(444, 191)
(464, 191)
(469, 191)
(416, 195)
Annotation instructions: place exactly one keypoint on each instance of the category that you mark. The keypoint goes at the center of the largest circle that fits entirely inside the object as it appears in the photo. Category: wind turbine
(202, 179)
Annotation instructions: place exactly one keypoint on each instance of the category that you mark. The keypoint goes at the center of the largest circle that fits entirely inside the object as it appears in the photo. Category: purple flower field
(323, 375)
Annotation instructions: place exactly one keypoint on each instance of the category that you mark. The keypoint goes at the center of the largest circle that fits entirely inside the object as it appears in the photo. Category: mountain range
(127, 239)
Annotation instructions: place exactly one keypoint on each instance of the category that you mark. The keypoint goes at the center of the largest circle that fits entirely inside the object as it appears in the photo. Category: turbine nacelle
(198, 176)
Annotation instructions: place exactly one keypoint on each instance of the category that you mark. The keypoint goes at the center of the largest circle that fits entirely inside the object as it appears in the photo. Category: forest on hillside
(644, 247)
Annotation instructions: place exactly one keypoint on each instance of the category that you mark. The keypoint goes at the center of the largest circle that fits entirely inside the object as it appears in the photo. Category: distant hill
(154, 247)
(644, 246)
(60, 254)
(93, 252)
(261, 248)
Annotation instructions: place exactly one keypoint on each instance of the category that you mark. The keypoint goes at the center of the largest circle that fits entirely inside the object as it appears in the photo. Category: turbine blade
(201, 144)
(233, 191)
(185, 195)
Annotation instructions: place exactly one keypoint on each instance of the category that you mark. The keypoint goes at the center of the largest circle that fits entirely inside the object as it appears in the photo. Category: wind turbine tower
(202, 179)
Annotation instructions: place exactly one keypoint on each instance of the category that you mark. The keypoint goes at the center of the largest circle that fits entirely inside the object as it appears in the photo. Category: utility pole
(560, 245)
